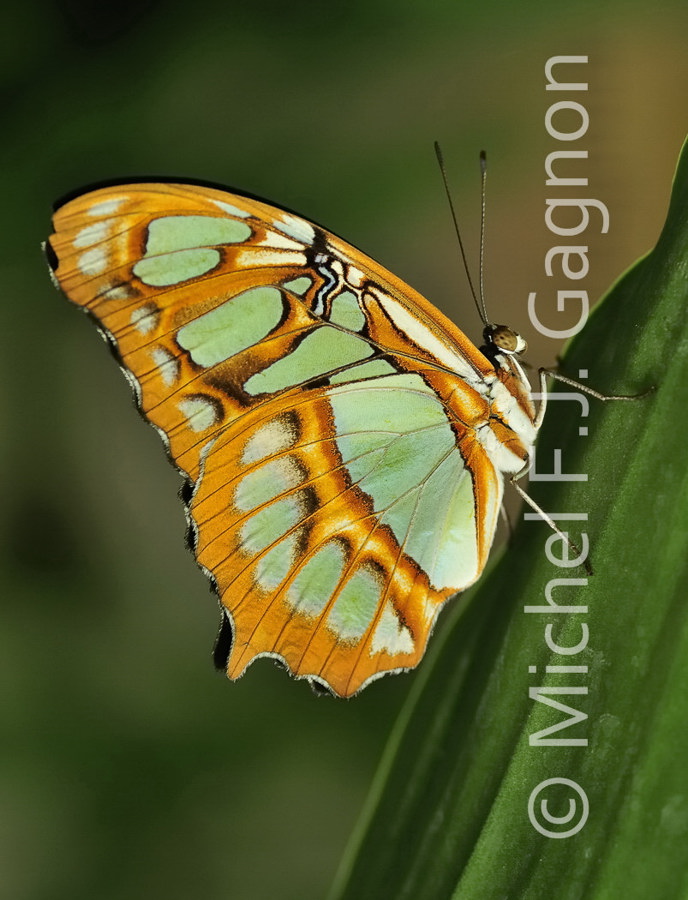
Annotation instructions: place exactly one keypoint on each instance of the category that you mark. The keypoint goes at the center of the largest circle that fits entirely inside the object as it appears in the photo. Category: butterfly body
(344, 444)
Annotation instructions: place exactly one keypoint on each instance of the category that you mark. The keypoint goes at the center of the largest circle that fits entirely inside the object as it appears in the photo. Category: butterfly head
(502, 339)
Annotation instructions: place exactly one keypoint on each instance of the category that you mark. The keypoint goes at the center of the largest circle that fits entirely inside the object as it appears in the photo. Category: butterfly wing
(328, 419)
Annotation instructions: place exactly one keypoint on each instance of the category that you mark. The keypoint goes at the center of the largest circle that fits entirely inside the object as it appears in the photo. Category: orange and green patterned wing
(324, 415)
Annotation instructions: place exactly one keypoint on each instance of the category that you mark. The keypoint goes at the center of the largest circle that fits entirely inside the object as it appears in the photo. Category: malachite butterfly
(343, 444)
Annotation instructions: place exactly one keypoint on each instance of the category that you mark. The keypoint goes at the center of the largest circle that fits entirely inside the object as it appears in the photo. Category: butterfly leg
(544, 374)
(581, 558)
(508, 524)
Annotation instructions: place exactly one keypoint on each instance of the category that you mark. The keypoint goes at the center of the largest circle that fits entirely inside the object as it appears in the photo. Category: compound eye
(507, 340)
(504, 339)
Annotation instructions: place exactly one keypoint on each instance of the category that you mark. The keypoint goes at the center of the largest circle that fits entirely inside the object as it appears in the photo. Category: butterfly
(343, 444)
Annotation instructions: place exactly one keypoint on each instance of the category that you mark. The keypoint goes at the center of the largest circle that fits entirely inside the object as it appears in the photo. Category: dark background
(129, 769)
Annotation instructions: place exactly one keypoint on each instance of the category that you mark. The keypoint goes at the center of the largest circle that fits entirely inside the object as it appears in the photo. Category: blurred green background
(129, 769)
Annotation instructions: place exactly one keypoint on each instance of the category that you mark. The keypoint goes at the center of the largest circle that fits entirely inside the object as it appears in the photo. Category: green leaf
(448, 816)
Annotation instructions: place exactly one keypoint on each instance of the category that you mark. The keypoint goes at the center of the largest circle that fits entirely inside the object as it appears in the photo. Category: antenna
(479, 298)
(481, 270)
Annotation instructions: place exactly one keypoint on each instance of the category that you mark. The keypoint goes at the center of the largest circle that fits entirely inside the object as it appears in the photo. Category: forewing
(304, 392)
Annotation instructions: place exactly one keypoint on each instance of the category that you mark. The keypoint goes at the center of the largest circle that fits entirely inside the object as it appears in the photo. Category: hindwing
(337, 433)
